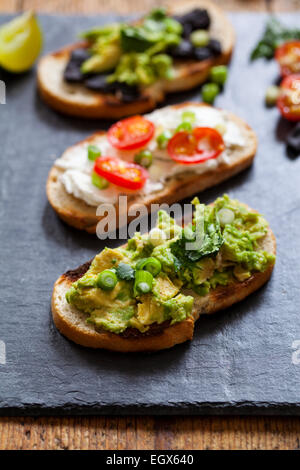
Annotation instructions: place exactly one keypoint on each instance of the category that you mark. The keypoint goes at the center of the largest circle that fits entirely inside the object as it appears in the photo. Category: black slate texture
(241, 360)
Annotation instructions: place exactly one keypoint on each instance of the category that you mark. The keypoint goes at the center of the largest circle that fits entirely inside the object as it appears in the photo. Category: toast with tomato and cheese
(147, 294)
(162, 157)
(125, 69)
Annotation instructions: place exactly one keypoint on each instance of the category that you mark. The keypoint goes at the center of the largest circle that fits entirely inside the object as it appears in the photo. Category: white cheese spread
(77, 169)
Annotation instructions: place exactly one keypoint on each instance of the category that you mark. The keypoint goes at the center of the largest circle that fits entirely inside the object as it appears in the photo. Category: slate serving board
(241, 360)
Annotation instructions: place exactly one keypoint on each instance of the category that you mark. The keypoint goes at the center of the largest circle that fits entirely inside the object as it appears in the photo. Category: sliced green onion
(184, 126)
(152, 265)
(163, 139)
(225, 216)
(209, 92)
(218, 74)
(98, 181)
(143, 282)
(157, 236)
(144, 158)
(188, 116)
(107, 279)
(93, 152)
(199, 38)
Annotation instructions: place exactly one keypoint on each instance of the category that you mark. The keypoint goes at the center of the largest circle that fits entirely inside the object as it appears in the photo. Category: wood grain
(130, 433)
(149, 432)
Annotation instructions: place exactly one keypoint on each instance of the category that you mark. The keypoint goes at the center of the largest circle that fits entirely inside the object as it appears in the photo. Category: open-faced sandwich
(124, 69)
(165, 156)
(147, 294)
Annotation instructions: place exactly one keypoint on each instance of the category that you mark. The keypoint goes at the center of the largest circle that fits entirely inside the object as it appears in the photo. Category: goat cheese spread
(76, 169)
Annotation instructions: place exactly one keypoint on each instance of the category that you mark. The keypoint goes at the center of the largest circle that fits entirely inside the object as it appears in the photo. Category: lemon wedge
(20, 43)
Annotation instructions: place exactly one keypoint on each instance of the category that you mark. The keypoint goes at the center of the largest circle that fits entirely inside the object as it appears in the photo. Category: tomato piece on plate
(203, 143)
(288, 57)
(131, 133)
(289, 98)
(123, 174)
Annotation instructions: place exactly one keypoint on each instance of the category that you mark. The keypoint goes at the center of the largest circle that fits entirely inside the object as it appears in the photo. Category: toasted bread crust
(76, 100)
(78, 214)
(76, 329)
(71, 323)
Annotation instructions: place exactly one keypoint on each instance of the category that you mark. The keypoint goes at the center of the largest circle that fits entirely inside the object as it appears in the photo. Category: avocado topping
(146, 281)
(137, 55)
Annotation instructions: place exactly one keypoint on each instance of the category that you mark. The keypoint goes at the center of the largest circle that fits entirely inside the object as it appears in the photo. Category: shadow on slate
(239, 361)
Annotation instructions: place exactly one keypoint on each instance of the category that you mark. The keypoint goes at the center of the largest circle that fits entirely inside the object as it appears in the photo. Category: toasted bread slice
(72, 323)
(77, 213)
(77, 100)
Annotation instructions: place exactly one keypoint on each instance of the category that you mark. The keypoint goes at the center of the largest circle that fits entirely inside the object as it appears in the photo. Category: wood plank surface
(148, 432)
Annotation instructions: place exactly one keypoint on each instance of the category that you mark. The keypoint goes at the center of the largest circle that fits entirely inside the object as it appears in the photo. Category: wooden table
(146, 432)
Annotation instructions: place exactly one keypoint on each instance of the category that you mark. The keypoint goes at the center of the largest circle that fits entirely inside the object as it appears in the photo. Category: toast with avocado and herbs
(75, 192)
(124, 69)
(147, 294)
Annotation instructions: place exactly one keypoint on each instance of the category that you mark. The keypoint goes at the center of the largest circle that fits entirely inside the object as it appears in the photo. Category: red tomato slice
(289, 98)
(288, 57)
(203, 143)
(131, 133)
(124, 174)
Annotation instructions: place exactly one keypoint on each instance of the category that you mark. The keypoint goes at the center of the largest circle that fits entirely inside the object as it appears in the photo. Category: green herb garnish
(274, 35)
(125, 272)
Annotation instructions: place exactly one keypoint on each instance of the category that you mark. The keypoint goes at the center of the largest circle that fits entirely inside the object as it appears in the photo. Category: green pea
(93, 152)
(144, 158)
(163, 139)
(218, 74)
(172, 26)
(209, 92)
(199, 38)
(98, 181)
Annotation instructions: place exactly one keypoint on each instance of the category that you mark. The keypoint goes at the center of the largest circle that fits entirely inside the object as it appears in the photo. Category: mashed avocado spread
(144, 282)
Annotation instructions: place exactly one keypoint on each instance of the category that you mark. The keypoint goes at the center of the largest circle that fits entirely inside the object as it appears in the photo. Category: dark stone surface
(239, 361)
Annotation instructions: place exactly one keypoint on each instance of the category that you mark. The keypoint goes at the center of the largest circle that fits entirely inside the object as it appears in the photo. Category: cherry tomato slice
(131, 133)
(288, 57)
(123, 174)
(289, 98)
(203, 143)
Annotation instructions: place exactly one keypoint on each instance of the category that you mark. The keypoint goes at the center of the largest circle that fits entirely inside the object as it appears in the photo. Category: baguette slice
(72, 323)
(78, 214)
(77, 100)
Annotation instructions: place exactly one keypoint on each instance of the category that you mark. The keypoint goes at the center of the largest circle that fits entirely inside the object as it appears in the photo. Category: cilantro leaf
(125, 272)
(274, 35)
(211, 244)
